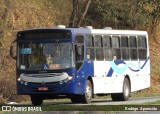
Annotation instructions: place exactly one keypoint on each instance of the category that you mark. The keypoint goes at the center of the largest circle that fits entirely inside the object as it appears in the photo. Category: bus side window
(133, 47)
(98, 45)
(142, 47)
(125, 47)
(108, 54)
(142, 42)
(90, 53)
(116, 47)
(132, 41)
(133, 54)
(115, 42)
(89, 41)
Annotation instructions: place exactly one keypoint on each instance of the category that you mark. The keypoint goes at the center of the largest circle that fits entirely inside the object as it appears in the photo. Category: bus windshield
(45, 56)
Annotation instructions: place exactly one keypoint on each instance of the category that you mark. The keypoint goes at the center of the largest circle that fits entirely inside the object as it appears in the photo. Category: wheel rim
(88, 92)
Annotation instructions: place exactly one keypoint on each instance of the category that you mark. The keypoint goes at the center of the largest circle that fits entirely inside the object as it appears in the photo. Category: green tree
(152, 10)
(78, 12)
(124, 14)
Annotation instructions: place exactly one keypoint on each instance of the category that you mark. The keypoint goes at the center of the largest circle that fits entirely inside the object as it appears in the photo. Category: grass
(83, 108)
(1, 104)
(114, 108)
(152, 103)
(144, 94)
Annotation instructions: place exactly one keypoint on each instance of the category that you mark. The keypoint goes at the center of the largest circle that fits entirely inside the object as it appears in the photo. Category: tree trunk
(74, 13)
(84, 12)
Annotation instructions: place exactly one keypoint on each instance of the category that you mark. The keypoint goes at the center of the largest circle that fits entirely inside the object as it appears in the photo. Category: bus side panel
(98, 79)
(104, 83)
(109, 75)
(140, 82)
(141, 78)
(138, 72)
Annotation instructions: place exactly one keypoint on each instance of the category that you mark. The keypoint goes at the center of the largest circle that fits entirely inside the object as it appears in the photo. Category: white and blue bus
(81, 62)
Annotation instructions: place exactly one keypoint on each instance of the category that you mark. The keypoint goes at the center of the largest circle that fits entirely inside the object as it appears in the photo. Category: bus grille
(52, 87)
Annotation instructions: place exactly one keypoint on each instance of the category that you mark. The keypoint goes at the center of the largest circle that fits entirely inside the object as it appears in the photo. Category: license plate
(43, 88)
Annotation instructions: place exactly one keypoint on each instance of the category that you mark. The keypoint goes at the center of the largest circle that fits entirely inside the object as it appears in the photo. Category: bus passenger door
(79, 56)
(79, 62)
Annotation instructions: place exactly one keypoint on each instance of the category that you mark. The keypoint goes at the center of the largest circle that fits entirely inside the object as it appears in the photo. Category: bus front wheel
(87, 97)
(36, 100)
(124, 96)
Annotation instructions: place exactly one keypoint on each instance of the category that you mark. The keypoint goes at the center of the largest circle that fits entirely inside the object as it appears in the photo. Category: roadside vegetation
(152, 103)
(125, 14)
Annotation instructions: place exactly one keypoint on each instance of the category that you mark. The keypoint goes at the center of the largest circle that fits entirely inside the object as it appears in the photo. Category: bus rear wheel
(124, 96)
(36, 100)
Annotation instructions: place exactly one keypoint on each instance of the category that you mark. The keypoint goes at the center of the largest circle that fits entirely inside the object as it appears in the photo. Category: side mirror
(12, 50)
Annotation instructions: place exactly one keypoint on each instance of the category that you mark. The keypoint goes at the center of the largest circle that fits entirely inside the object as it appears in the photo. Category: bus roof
(83, 30)
(109, 32)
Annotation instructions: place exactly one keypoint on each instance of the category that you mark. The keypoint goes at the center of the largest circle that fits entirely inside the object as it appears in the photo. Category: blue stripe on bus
(115, 68)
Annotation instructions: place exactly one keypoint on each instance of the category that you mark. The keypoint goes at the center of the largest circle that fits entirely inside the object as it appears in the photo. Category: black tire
(36, 100)
(126, 92)
(87, 97)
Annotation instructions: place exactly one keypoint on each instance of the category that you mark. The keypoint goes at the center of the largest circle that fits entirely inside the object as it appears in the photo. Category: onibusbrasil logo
(21, 108)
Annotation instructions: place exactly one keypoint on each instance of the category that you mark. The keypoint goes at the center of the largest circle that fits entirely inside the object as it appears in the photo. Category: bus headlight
(68, 79)
(19, 79)
(22, 82)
